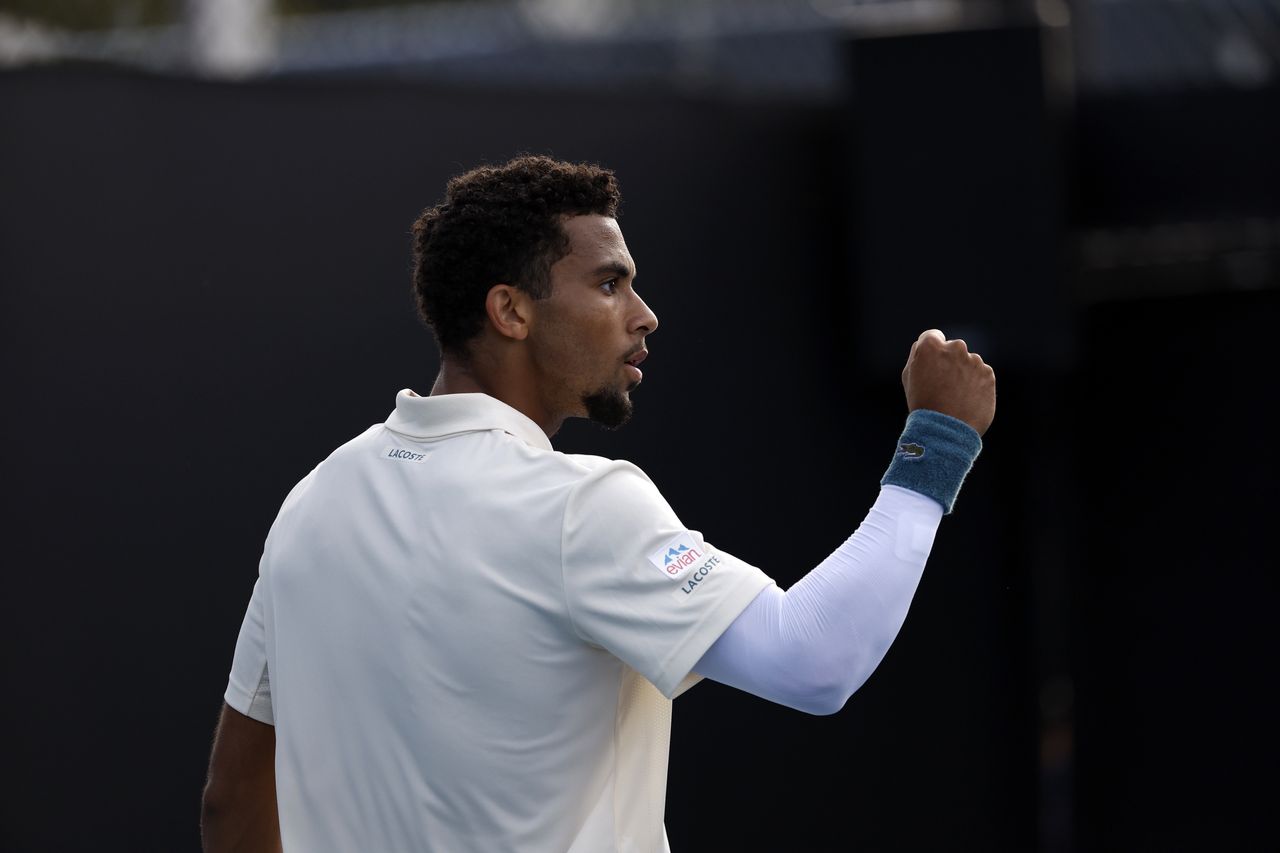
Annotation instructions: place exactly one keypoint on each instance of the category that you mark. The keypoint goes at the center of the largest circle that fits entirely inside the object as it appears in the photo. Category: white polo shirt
(468, 641)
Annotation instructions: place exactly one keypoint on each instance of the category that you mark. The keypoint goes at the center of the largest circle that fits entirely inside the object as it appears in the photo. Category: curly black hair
(499, 224)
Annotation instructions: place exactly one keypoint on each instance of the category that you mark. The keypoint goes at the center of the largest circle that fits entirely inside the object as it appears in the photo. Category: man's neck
(458, 377)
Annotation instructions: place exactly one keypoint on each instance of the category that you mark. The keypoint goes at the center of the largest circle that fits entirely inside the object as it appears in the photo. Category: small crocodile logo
(913, 451)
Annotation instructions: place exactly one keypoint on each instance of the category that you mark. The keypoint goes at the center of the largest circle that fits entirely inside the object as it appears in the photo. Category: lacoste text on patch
(402, 455)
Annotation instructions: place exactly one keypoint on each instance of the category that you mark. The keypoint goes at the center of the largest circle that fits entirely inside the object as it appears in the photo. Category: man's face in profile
(590, 332)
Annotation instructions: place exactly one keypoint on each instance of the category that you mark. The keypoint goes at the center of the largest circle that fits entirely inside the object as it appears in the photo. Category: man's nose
(646, 321)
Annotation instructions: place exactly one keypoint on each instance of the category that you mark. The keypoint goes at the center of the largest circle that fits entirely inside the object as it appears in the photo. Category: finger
(932, 333)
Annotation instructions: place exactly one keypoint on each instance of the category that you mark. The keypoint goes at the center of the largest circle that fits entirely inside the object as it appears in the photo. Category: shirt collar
(449, 414)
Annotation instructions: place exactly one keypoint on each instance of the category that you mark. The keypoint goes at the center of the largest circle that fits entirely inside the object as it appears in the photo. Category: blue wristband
(934, 454)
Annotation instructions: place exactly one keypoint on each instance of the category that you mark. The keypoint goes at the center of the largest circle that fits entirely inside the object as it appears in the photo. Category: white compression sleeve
(812, 646)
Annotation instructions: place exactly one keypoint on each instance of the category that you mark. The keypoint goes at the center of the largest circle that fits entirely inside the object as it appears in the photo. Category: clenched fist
(944, 376)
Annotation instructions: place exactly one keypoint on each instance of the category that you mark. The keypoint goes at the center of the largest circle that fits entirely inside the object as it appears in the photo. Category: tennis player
(462, 640)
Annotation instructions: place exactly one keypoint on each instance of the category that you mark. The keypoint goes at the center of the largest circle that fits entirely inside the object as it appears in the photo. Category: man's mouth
(633, 362)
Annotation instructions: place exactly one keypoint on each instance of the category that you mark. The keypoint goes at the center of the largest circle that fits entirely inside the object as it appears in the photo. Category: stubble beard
(609, 407)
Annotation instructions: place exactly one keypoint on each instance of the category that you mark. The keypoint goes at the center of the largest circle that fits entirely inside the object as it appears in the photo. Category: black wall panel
(957, 195)
(1175, 628)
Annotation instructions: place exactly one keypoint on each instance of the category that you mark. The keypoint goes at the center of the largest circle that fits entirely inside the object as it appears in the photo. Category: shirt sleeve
(641, 585)
(248, 687)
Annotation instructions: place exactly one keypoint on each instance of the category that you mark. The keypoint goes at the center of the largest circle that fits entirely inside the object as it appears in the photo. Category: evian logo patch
(677, 556)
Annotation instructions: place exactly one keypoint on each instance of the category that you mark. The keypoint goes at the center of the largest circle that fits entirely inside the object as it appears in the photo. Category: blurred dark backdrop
(205, 290)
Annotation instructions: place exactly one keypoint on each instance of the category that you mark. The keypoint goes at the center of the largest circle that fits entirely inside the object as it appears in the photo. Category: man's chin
(609, 407)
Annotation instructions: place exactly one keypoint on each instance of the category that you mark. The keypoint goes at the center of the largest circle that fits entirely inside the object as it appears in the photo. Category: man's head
(522, 271)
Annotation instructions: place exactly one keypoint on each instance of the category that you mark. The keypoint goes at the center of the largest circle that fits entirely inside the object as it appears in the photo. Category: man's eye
(610, 286)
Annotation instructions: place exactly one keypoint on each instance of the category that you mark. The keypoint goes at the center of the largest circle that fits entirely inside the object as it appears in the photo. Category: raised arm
(811, 647)
(238, 812)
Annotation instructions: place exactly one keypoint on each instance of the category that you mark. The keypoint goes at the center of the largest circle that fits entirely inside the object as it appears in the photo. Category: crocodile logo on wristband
(910, 450)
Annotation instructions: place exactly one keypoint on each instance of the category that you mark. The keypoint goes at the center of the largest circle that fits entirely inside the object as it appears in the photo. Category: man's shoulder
(567, 468)
(586, 462)
(584, 471)
(600, 478)
(589, 465)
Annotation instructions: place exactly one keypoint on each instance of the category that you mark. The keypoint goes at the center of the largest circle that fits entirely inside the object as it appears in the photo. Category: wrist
(935, 453)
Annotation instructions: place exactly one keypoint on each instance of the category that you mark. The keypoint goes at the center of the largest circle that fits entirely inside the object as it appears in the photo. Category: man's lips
(633, 362)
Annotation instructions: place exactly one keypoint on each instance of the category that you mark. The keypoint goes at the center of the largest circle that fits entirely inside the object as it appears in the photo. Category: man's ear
(509, 309)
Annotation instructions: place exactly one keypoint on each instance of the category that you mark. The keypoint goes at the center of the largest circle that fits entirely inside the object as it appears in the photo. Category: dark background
(205, 290)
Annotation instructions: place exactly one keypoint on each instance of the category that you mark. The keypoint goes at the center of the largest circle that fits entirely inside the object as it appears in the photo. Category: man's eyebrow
(617, 268)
